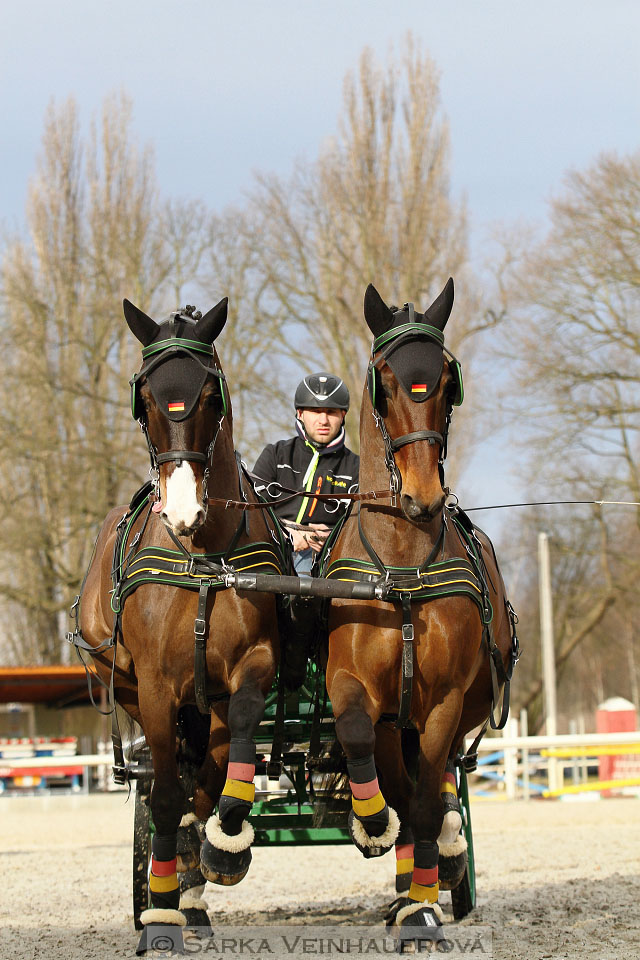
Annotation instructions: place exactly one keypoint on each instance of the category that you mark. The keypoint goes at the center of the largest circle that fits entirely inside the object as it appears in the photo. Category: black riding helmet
(322, 390)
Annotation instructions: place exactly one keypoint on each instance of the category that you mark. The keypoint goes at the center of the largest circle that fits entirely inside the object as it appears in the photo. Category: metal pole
(548, 651)
(524, 732)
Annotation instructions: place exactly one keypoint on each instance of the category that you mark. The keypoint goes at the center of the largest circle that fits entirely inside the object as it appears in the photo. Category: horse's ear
(376, 312)
(210, 326)
(142, 327)
(439, 311)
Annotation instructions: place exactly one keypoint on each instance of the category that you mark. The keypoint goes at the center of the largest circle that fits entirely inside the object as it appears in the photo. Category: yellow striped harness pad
(446, 787)
(240, 789)
(446, 578)
(159, 565)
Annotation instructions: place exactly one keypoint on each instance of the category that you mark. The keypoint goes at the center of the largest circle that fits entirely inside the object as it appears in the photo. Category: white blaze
(182, 507)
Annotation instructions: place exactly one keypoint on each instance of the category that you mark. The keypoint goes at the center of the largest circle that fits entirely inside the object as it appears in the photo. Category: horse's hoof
(164, 938)
(223, 866)
(188, 843)
(373, 846)
(418, 923)
(225, 859)
(452, 863)
(198, 922)
(451, 871)
(393, 909)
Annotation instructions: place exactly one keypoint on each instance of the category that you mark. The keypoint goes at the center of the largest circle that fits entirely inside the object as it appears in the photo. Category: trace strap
(407, 662)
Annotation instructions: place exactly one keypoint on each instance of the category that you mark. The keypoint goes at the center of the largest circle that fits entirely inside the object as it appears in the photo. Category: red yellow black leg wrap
(449, 788)
(164, 886)
(404, 866)
(239, 790)
(369, 806)
(424, 881)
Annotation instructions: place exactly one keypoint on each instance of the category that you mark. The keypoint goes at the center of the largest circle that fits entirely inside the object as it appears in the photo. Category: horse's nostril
(412, 508)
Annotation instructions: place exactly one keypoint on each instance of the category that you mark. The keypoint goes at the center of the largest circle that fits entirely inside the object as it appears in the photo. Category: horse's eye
(211, 400)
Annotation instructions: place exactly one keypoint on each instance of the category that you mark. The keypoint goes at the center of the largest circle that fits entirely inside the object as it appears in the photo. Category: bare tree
(375, 207)
(575, 333)
(572, 303)
(250, 347)
(71, 451)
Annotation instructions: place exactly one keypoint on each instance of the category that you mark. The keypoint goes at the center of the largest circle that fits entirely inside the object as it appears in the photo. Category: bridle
(154, 355)
(384, 345)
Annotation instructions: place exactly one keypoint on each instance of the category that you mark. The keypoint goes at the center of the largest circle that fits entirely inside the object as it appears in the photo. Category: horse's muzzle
(420, 512)
(183, 529)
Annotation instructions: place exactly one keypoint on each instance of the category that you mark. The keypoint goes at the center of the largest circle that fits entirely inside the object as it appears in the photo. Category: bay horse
(434, 655)
(147, 646)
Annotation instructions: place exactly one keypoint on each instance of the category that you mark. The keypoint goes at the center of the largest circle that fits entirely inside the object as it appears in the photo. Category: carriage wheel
(463, 897)
(142, 829)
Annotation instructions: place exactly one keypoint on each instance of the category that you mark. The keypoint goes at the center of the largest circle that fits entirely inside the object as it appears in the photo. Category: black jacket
(289, 462)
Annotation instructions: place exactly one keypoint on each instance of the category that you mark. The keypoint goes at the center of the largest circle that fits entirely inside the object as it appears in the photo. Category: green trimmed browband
(196, 345)
(159, 565)
(446, 578)
(424, 328)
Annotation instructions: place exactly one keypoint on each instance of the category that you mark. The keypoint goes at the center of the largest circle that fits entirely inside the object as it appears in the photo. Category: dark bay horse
(181, 399)
(433, 642)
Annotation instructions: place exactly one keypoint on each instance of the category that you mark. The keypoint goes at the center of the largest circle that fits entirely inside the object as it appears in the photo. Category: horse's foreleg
(226, 853)
(373, 825)
(397, 786)
(420, 916)
(452, 844)
(163, 920)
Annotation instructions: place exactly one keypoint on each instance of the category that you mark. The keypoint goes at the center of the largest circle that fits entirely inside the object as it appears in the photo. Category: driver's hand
(318, 533)
(299, 538)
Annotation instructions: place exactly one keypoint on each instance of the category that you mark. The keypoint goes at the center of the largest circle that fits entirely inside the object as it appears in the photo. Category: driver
(316, 460)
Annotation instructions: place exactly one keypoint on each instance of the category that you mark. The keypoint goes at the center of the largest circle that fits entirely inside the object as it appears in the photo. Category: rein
(242, 505)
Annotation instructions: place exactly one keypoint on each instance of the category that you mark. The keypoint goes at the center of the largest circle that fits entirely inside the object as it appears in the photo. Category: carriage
(416, 645)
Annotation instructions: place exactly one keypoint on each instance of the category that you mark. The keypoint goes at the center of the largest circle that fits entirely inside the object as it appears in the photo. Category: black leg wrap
(242, 751)
(233, 813)
(164, 848)
(403, 882)
(425, 854)
(373, 834)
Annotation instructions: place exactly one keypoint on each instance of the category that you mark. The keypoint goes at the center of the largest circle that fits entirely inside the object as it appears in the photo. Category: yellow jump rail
(600, 785)
(569, 752)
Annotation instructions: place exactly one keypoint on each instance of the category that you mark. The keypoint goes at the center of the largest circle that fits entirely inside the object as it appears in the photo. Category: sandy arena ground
(555, 880)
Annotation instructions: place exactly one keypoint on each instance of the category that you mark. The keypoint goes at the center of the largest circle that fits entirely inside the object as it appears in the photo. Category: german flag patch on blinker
(176, 406)
(418, 388)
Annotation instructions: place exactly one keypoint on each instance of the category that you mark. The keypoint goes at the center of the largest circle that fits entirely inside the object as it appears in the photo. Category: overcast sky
(225, 88)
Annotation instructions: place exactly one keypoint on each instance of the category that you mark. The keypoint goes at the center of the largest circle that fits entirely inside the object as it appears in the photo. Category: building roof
(56, 686)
